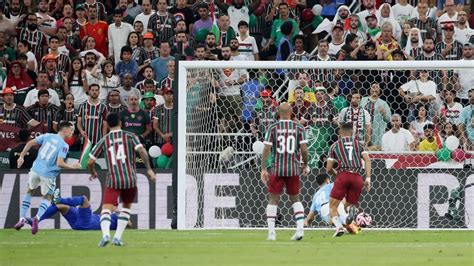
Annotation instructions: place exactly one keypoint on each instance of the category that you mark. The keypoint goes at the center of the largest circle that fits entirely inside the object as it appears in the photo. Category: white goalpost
(219, 120)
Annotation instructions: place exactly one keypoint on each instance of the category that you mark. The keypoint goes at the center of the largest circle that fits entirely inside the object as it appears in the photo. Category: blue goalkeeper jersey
(321, 197)
(85, 219)
(52, 147)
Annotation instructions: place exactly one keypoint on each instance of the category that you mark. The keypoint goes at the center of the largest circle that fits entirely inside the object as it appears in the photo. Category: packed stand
(79, 60)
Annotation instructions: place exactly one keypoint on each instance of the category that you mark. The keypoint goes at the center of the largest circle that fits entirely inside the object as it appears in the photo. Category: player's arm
(304, 155)
(265, 155)
(62, 164)
(368, 169)
(144, 156)
(330, 167)
(79, 126)
(368, 134)
(310, 218)
(21, 158)
(91, 167)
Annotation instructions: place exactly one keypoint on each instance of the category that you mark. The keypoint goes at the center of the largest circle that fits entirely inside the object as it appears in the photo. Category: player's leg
(128, 196)
(275, 188)
(110, 200)
(353, 195)
(33, 183)
(293, 190)
(337, 195)
(48, 185)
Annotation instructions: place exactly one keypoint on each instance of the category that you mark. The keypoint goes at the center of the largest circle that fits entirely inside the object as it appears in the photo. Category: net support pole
(176, 127)
(179, 168)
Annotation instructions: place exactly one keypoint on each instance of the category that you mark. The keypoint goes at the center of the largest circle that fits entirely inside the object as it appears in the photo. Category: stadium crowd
(77, 60)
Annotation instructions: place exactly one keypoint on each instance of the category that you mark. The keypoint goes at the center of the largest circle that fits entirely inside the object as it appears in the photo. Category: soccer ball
(363, 219)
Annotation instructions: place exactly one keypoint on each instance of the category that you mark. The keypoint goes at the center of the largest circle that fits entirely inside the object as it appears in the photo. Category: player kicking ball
(77, 212)
(320, 205)
(119, 147)
(286, 140)
(45, 169)
(348, 153)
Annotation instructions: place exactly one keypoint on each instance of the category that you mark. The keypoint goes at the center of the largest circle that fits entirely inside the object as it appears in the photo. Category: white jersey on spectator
(463, 35)
(248, 47)
(397, 142)
(402, 13)
(417, 86)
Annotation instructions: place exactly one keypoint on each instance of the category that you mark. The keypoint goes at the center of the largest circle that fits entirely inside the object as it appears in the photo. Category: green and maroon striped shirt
(67, 116)
(42, 114)
(116, 109)
(286, 137)
(37, 40)
(93, 117)
(166, 83)
(347, 152)
(454, 54)
(119, 147)
(266, 117)
(164, 116)
(321, 116)
(16, 116)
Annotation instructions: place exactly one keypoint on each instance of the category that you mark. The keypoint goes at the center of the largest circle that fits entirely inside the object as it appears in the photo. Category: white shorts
(340, 209)
(47, 184)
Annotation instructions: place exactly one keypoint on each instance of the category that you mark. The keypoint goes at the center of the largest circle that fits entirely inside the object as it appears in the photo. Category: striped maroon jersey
(347, 152)
(93, 117)
(36, 39)
(119, 147)
(16, 116)
(116, 109)
(44, 114)
(286, 137)
(266, 117)
(164, 115)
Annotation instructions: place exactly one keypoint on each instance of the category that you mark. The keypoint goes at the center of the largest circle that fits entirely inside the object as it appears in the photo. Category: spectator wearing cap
(145, 15)
(373, 29)
(126, 65)
(30, 156)
(43, 111)
(118, 34)
(81, 16)
(160, 64)
(14, 114)
(97, 29)
(43, 83)
(149, 51)
(277, 34)
(247, 44)
(114, 102)
(426, 24)
(147, 103)
(55, 77)
(398, 139)
(63, 61)
(19, 81)
(37, 39)
(462, 31)
(265, 114)
(429, 142)
(162, 23)
(337, 39)
(467, 123)
(379, 112)
(449, 48)
(227, 33)
(184, 13)
(163, 119)
(127, 89)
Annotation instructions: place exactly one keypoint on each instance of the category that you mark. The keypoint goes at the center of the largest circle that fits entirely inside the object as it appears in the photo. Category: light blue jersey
(52, 147)
(321, 197)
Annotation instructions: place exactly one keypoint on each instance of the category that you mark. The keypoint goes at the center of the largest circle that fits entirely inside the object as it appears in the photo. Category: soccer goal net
(415, 118)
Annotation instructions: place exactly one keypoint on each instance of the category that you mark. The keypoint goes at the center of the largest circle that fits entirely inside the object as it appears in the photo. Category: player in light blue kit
(46, 168)
(320, 204)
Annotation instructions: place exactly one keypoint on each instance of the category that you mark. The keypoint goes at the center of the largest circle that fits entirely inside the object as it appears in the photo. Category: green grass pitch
(238, 247)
